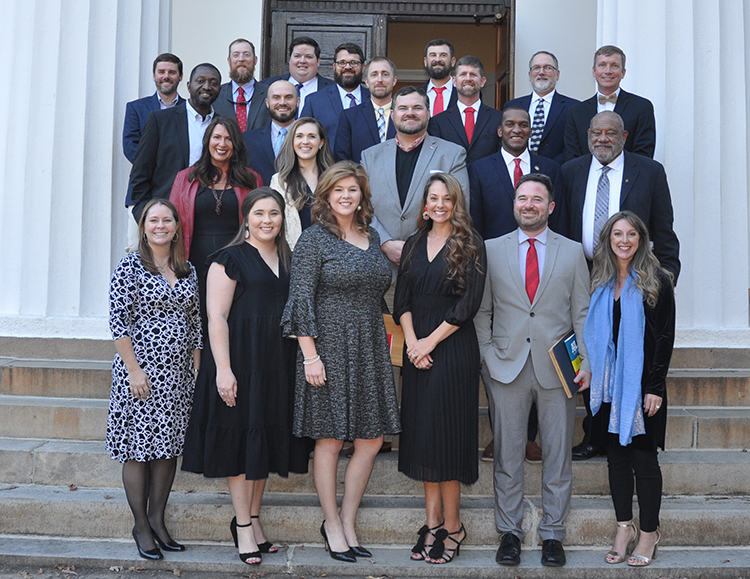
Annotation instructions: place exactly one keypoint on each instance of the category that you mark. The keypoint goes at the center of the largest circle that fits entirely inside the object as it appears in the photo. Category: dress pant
(624, 462)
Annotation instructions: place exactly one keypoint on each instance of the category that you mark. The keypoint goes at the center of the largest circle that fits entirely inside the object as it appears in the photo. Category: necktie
(299, 95)
(517, 172)
(537, 127)
(279, 141)
(612, 98)
(601, 209)
(469, 124)
(352, 100)
(381, 124)
(439, 106)
(240, 110)
(532, 271)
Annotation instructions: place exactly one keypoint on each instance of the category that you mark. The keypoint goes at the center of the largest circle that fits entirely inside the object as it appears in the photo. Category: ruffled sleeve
(467, 306)
(298, 318)
(123, 296)
(194, 313)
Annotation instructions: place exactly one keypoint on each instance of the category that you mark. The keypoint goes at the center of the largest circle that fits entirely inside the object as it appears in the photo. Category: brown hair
(207, 173)
(321, 208)
(177, 260)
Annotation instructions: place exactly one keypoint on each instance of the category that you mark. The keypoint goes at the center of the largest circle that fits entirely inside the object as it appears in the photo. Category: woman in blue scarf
(629, 335)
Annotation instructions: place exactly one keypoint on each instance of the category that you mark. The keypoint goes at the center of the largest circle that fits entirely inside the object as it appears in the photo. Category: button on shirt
(511, 165)
(163, 105)
(196, 127)
(546, 99)
(345, 100)
(589, 204)
(447, 93)
(606, 106)
(303, 92)
(541, 251)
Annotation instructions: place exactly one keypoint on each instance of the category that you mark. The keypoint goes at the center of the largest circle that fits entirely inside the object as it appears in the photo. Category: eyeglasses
(345, 63)
(546, 68)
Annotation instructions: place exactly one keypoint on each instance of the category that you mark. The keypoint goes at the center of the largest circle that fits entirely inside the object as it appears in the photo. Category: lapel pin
(627, 180)
(536, 168)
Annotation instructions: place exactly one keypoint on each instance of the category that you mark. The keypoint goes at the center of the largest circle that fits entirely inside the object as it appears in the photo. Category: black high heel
(267, 546)
(360, 551)
(152, 554)
(344, 556)
(233, 526)
(419, 551)
(439, 554)
(170, 545)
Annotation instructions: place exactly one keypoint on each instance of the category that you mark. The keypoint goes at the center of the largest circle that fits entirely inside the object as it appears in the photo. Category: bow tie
(603, 100)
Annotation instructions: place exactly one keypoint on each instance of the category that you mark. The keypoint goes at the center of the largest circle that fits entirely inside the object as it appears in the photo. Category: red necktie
(517, 173)
(469, 124)
(532, 271)
(241, 110)
(439, 106)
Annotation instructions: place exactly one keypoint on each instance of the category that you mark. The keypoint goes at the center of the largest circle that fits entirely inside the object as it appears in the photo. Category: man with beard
(604, 182)
(439, 60)
(327, 105)
(173, 139)
(368, 124)
(263, 144)
(547, 108)
(243, 98)
(400, 167)
(469, 123)
(537, 289)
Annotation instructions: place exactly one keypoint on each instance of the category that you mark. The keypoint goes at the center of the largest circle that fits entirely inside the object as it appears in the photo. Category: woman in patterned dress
(344, 388)
(155, 324)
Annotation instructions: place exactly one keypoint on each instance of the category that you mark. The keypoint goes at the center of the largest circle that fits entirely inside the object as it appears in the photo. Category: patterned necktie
(381, 124)
(537, 127)
(352, 100)
(439, 106)
(279, 141)
(240, 110)
(601, 209)
(532, 270)
(469, 124)
(517, 172)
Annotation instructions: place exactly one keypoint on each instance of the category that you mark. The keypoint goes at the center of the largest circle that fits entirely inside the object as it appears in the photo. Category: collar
(447, 86)
(546, 98)
(541, 238)
(508, 158)
(616, 165)
(164, 105)
(195, 115)
(357, 92)
(475, 105)
(305, 84)
(617, 92)
(386, 108)
(414, 145)
(248, 87)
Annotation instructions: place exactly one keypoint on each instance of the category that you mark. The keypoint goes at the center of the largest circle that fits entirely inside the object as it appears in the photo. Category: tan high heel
(641, 560)
(613, 557)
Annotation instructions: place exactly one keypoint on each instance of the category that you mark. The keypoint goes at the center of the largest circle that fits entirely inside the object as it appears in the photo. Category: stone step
(87, 464)
(295, 518)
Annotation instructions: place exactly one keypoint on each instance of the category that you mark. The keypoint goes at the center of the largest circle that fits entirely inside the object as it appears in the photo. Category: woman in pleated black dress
(438, 292)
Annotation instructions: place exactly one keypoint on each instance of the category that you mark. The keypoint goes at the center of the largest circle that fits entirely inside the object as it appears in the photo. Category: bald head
(282, 102)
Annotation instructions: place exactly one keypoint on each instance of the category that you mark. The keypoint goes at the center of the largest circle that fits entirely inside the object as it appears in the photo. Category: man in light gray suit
(536, 291)
(399, 168)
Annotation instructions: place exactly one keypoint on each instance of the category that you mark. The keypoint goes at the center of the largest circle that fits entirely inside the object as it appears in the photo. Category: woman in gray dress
(344, 388)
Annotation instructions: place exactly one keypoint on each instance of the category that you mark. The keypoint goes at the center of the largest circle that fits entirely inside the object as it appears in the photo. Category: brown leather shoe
(533, 452)
(488, 454)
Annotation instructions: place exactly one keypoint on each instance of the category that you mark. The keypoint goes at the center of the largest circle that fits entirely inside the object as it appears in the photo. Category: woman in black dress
(629, 335)
(240, 427)
(438, 292)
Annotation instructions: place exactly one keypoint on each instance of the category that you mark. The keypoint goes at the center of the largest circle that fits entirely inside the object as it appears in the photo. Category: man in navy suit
(469, 116)
(637, 112)
(439, 60)
(263, 144)
(243, 98)
(369, 123)
(548, 124)
(304, 61)
(326, 105)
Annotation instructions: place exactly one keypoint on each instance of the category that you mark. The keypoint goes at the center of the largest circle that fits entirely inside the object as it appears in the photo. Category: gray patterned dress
(336, 296)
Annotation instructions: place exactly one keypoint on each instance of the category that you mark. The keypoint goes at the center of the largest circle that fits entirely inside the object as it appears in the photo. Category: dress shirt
(275, 130)
(589, 204)
(248, 87)
(446, 94)
(462, 107)
(523, 249)
(196, 127)
(511, 166)
(308, 87)
(345, 101)
(600, 108)
(546, 99)
(163, 105)
(386, 113)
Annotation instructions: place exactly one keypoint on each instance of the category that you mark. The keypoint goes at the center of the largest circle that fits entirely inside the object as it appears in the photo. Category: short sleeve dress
(164, 325)
(439, 406)
(254, 437)
(336, 296)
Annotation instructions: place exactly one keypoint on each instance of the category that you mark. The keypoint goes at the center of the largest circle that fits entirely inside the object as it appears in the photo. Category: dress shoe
(360, 551)
(509, 552)
(347, 556)
(151, 554)
(533, 452)
(488, 454)
(553, 554)
(170, 545)
(586, 451)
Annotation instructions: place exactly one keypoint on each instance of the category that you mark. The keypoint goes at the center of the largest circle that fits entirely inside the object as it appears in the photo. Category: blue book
(567, 362)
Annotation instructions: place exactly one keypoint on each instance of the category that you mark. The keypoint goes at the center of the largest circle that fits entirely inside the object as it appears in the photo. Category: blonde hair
(321, 211)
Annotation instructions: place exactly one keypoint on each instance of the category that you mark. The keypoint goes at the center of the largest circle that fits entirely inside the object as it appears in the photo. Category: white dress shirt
(511, 165)
(546, 99)
(345, 100)
(196, 128)
(307, 88)
(163, 105)
(462, 108)
(248, 87)
(523, 249)
(600, 108)
(432, 94)
(615, 186)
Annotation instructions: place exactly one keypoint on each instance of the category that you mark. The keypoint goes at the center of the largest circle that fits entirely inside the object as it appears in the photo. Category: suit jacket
(644, 191)
(485, 141)
(358, 130)
(325, 106)
(453, 100)
(257, 111)
(260, 152)
(637, 114)
(492, 195)
(552, 144)
(163, 152)
(510, 328)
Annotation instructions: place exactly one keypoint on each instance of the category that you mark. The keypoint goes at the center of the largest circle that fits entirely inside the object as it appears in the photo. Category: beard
(543, 86)
(282, 116)
(351, 81)
(241, 76)
(606, 156)
(438, 71)
(410, 129)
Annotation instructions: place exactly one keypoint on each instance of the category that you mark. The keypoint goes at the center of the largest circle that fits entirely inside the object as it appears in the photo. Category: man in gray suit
(399, 168)
(536, 291)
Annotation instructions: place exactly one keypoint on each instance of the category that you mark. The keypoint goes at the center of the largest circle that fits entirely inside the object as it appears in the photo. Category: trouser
(624, 462)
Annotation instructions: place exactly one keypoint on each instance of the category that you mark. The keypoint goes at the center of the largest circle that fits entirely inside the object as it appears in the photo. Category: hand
(315, 373)
(139, 384)
(583, 380)
(226, 385)
(392, 250)
(419, 354)
(651, 404)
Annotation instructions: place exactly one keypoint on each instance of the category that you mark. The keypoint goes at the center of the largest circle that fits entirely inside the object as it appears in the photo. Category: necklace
(219, 197)
(162, 268)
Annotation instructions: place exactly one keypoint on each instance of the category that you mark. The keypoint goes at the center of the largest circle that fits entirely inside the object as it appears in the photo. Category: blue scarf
(616, 378)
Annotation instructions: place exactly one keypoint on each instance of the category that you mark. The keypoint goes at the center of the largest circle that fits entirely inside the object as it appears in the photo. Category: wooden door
(504, 56)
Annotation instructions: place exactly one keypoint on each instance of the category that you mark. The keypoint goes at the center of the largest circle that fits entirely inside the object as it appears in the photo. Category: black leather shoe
(360, 551)
(553, 554)
(585, 451)
(509, 552)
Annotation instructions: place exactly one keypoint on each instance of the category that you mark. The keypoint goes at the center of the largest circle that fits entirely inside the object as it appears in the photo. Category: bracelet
(312, 360)
(311, 357)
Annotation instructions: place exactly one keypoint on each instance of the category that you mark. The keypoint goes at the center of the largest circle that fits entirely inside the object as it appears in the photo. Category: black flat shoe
(360, 551)
(586, 451)
(509, 552)
(170, 545)
(233, 526)
(553, 554)
(152, 554)
(344, 556)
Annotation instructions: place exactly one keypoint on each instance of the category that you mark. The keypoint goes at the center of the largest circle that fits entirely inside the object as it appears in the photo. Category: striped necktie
(381, 124)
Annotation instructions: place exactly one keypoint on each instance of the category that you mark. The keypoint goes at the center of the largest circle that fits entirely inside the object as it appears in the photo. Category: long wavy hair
(461, 246)
(282, 247)
(287, 163)
(177, 260)
(644, 263)
(237, 175)
(321, 209)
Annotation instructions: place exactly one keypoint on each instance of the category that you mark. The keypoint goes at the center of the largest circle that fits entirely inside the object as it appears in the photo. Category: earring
(247, 233)
(359, 208)
(425, 215)
(175, 238)
(145, 237)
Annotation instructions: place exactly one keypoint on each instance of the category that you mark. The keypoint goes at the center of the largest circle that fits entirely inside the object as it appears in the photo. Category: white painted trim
(86, 328)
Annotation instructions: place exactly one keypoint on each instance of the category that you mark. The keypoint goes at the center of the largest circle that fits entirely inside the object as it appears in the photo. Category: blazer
(637, 114)
(485, 141)
(519, 328)
(257, 111)
(644, 191)
(325, 106)
(453, 100)
(164, 151)
(493, 194)
(358, 130)
(260, 152)
(552, 144)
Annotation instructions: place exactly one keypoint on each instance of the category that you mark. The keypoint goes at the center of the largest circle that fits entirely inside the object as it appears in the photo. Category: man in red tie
(439, 60)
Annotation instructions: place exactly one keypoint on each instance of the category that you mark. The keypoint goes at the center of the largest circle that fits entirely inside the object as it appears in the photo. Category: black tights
(623, 462)
(147, 487)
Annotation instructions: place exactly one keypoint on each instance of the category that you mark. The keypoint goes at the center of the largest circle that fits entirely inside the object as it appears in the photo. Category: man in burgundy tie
(536, 291)
(439, 60)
